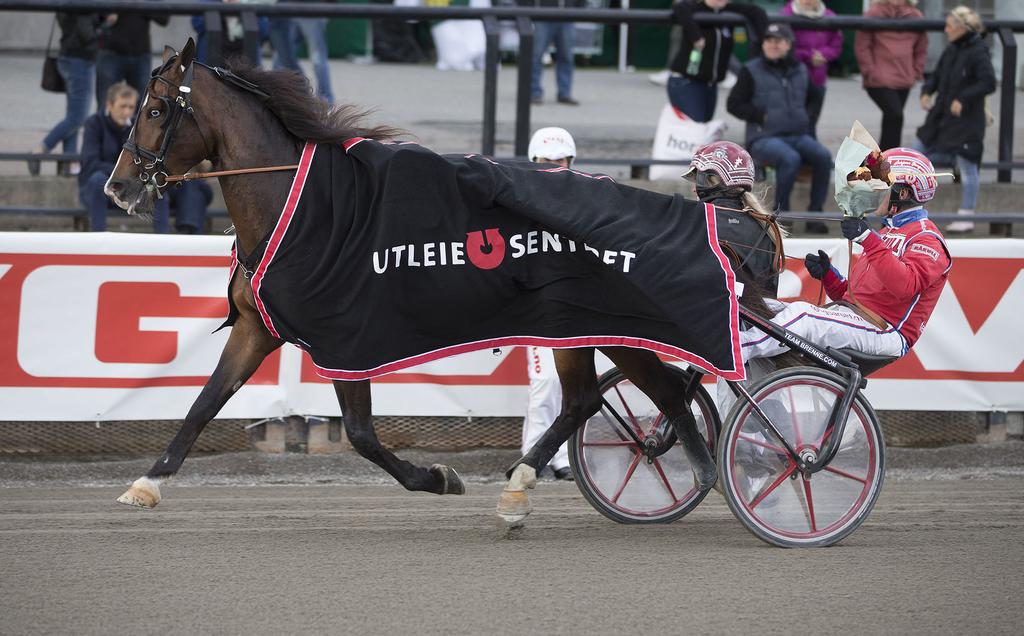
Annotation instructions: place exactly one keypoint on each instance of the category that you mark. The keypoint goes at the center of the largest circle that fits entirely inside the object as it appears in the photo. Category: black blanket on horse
(389, 255)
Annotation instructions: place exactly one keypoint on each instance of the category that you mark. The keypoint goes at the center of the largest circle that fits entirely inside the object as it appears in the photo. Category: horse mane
(305, 116)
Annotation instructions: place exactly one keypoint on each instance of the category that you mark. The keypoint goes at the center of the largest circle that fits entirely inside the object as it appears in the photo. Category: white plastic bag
(676, 139)
(461, 44)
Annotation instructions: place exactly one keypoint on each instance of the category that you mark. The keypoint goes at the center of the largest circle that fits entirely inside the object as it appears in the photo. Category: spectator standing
(76, 63)
(125, 52)
(816, 49)
(891, 62)
(284, 34)
(548, 145)
(772, 95)
(703, 57)
(233, 42)
(954, 96)
(561, 35)
(105, 134)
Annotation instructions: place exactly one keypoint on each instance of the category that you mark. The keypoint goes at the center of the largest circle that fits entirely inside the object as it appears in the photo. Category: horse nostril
(116, 185)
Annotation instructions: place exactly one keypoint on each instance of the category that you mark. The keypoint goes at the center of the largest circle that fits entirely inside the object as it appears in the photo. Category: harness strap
(189, 176)
(249, 262)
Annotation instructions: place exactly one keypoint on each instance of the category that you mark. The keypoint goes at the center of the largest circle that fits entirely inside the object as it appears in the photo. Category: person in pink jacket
(815, 48)
(890, 63)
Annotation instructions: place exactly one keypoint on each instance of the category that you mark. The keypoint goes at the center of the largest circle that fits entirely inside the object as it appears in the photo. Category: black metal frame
(807, 461)
(524, 17)
(829, 359)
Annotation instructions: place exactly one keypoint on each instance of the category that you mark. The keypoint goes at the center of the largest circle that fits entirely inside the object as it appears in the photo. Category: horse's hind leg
(668, 392)
(580, 400)
(354, 398)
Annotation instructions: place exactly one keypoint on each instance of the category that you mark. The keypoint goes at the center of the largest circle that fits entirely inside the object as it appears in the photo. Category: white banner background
(117, 326)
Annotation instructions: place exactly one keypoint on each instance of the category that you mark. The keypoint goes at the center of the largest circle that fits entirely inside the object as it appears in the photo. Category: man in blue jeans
(563, 36)
(284, 34)
(104, 135)
(772, 96)
(125, 52)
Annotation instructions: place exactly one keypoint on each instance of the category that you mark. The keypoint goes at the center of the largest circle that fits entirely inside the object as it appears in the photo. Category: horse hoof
(143, 493)
(509, 528)
(513, 506)
(451, 483)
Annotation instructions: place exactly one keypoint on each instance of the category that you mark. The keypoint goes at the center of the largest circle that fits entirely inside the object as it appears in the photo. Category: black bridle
(153, 162)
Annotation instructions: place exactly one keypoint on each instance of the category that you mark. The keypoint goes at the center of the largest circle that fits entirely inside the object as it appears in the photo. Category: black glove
(818, 264)
(855, 228)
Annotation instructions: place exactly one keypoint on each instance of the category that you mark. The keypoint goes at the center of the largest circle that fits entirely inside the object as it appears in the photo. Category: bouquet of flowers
(862, 177)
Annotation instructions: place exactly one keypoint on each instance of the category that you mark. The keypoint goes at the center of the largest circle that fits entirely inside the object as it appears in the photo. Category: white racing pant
(838, 327)
(545, 402)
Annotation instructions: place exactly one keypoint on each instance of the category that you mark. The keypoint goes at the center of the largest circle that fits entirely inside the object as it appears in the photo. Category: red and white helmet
(728, 160)
(913, 169)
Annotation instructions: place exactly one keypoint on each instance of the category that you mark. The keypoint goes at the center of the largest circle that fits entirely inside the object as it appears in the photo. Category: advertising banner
(121, 326)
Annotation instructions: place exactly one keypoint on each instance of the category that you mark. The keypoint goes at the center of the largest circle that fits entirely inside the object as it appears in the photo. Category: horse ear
(168, 53)
(188, 53)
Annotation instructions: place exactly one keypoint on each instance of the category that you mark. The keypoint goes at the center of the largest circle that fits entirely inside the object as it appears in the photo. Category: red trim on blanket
(582, 174)
(234, 264)
(734, 308)
(348, 143)
(279, 231)
(527, 341)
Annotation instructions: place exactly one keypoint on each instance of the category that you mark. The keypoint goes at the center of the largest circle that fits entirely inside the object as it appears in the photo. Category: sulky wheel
(621, 480)
(761, 482)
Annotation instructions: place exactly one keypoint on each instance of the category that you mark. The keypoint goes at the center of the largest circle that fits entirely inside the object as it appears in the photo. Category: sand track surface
(941, 554)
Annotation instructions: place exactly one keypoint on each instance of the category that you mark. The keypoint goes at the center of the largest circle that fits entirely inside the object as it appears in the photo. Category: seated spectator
(815, 48)
(954, 96)
(105, 134)
(772, 95)
(189, 202)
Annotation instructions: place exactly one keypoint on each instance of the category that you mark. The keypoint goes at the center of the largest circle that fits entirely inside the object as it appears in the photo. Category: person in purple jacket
(815, 48)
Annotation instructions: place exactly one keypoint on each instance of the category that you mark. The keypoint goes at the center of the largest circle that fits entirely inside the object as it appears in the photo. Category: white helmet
(552, 143)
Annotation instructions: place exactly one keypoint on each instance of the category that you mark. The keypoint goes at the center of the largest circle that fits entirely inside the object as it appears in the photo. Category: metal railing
(524, 18)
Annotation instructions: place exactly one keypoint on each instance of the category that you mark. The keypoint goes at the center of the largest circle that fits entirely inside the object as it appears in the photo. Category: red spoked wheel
(761, 482)
(613, 472)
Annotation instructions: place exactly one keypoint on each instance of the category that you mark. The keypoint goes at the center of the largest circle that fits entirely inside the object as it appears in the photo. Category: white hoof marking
(144, 493)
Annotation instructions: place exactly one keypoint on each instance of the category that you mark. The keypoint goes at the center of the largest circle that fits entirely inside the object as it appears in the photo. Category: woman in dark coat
(954, 130)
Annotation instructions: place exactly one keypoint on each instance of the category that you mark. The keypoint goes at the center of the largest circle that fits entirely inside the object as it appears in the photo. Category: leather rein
(153, 161)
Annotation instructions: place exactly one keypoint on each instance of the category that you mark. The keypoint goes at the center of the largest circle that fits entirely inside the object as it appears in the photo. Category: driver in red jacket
(893, 287)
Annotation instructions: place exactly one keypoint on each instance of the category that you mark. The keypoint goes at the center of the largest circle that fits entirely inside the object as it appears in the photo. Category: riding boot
(696, 449)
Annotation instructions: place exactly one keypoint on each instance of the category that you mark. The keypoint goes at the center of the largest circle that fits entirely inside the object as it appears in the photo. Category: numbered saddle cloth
(389, 255)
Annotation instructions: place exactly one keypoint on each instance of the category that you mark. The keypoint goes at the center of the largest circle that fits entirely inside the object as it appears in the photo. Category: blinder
(154, 170)
(175, 108)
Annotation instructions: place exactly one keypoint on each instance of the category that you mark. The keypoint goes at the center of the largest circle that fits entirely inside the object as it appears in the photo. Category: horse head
(166, 136)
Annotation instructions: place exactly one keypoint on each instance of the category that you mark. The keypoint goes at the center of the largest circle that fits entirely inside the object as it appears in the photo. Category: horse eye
(154, 113)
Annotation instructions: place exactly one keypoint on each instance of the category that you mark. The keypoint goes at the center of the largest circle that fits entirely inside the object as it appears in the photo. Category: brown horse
(251, 118)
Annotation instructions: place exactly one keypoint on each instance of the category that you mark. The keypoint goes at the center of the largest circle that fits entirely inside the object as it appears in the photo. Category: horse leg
(247, 346)
(580, 400)
(354, 398)
(668, 392)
